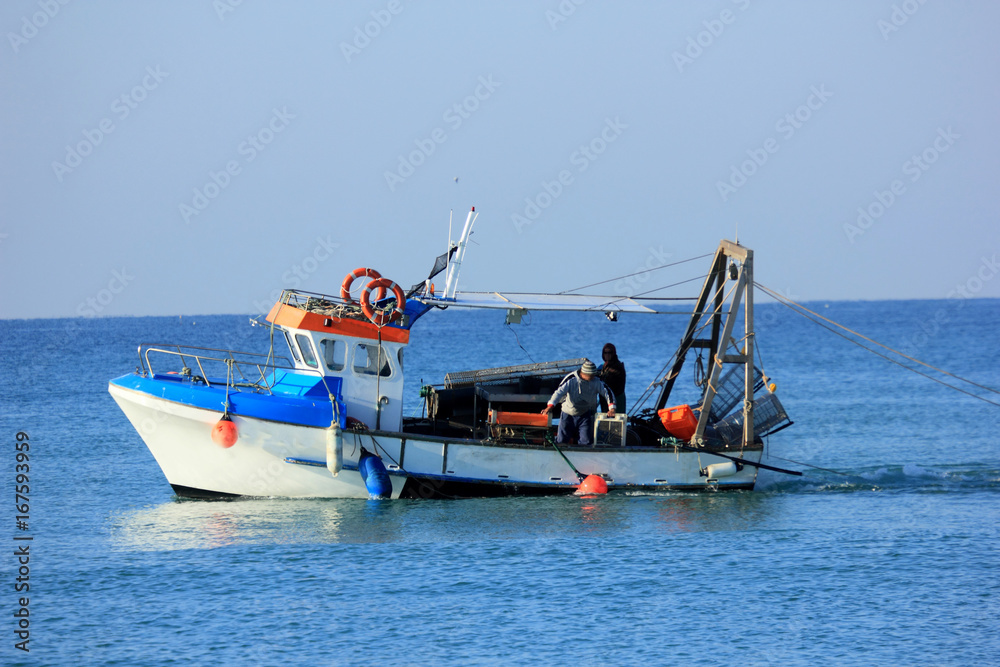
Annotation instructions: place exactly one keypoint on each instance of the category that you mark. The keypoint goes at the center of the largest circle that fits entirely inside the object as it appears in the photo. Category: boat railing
(322, 304)
(240, 366)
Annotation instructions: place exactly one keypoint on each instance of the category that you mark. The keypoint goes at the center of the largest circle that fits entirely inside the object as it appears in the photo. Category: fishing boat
(326, 418)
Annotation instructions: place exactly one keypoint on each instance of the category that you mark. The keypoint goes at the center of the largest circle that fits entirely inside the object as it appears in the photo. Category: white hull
(179, 437)
(285, 460)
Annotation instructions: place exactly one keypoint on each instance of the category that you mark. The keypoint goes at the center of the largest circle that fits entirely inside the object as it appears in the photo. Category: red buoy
(591, 485)
(224, 432)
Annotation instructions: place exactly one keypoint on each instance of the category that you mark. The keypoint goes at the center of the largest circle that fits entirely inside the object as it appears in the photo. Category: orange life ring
(345, 287)
(383, 318)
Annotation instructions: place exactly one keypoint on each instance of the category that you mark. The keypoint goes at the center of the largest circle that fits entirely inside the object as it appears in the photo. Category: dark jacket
(612, 371)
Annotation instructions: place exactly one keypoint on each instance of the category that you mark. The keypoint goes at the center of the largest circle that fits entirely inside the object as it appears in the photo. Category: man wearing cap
(580, 393)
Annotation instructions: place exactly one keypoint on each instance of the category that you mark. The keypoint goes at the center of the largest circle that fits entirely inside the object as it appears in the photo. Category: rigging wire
(809, 465)
(939, 370)
(616, 299)
(609, 280)
(507, 324)
(792, 305)
(657, 380)
(657, 289)
(648, 392)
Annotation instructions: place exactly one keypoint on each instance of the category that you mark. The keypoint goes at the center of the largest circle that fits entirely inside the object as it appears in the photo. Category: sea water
(890, 554)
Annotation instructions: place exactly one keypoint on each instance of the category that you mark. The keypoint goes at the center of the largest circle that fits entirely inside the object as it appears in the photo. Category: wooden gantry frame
(711, 303)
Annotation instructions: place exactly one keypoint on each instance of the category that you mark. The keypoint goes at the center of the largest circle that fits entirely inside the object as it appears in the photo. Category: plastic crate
(609, 431)
(520, 419)
(679, 421)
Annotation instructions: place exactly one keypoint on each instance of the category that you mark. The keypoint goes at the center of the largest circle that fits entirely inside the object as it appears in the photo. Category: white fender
(334, 449)
(717, 470)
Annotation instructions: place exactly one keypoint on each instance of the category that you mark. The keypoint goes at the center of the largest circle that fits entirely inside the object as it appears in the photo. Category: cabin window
(400, 355)
(307, 354)
(334, 353)
(369, 361)
(291, 346)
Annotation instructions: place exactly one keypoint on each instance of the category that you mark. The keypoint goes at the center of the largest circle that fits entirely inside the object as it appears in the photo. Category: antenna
(456, 266)
(447, 251)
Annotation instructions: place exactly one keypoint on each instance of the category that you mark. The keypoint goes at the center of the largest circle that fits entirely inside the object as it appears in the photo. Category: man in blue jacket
(579, 393)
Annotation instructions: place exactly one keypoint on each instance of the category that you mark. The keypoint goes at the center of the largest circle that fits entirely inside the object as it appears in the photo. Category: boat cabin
(326, 338)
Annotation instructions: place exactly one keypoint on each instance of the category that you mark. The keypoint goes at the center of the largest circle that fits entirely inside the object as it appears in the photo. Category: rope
(378, 445)
(699, 370)
(378, 379)
(648, 391)
(760, 358)
(551, 441)
(229, 373)
(788, 303)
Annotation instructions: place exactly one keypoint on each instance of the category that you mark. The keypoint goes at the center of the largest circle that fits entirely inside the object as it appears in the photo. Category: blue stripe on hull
(296, 399)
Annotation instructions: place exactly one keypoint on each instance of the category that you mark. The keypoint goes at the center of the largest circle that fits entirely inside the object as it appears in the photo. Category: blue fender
(375, 475)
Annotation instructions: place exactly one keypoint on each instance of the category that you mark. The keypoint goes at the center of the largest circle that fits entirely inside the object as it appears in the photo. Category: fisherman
(612, 373)
(579, 393)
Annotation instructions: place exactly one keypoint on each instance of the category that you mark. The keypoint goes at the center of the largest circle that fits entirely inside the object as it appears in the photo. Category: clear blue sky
(670, 124)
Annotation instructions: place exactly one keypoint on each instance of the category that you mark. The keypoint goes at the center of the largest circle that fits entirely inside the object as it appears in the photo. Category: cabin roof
(294, 317)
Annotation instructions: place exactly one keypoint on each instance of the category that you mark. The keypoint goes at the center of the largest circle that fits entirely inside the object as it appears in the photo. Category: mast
(451, 284)
(747, 276)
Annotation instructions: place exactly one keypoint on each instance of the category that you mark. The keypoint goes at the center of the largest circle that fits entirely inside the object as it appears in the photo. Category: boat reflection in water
(702, 513)
(197, 525)
(183, 524)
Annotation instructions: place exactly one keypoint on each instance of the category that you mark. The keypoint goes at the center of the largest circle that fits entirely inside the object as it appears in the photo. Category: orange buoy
(224, 432)
(591, 485)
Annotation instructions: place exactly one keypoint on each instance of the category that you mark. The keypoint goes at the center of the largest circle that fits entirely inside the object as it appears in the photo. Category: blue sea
(887, 554)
